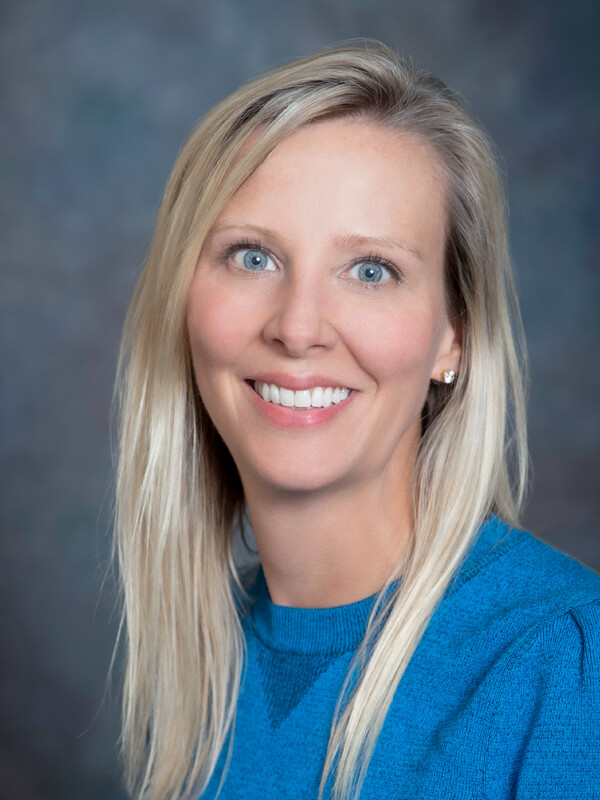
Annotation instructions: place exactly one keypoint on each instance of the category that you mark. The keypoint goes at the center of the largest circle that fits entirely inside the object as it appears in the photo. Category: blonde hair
(178, 489)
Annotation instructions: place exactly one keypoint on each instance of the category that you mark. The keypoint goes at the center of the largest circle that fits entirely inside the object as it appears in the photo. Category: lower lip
(303, 418)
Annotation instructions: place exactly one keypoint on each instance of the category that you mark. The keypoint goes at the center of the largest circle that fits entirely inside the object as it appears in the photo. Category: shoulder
(523, 609)
(559, 657)
(509, 569)
(545, 708)
(503, 691)
(533, 621)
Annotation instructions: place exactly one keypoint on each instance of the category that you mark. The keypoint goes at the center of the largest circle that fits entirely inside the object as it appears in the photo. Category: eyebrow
(242, 226)
(348, 241)
(356, 240)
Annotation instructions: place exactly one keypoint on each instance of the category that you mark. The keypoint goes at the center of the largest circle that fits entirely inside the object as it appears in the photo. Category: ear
(449, 350)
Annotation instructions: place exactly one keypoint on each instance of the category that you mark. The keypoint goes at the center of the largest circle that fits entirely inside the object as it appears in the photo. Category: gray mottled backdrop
(96, 99)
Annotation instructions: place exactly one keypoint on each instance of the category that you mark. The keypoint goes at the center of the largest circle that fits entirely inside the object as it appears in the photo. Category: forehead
(346, 175)
(352, 135)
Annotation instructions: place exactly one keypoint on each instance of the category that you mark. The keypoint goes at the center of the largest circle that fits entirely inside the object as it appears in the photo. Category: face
(317, 314)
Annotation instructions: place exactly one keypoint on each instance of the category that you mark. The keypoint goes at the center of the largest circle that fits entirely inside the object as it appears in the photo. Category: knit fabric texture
(500, 700)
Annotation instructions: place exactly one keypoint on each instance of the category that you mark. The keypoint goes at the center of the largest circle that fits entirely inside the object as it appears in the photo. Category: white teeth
(302, 398)
(286, 397)
(318, 397)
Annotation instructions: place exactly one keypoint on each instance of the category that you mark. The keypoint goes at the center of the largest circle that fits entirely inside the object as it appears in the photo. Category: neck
(329, 548)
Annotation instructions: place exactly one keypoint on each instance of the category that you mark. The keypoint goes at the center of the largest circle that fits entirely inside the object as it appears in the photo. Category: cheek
(218, 325)
(399, 344)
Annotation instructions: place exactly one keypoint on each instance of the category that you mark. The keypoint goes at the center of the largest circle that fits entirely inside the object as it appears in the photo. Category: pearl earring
(448, 376)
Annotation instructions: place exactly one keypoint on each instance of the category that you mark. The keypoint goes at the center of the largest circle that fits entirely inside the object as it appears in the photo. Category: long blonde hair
(178, 490)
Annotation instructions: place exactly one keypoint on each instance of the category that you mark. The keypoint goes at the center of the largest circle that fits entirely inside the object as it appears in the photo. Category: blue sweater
(501, 699)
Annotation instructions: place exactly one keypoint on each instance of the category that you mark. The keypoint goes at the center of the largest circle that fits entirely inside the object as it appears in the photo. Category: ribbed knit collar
(309, 631)
(322, 631)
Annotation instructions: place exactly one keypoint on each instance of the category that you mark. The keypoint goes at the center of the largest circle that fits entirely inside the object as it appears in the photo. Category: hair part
(178, 491)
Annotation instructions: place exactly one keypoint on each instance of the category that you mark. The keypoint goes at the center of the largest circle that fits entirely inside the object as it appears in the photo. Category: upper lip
(299, 382)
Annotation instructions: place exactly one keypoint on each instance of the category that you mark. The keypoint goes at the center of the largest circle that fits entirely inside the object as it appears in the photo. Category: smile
(317, 397)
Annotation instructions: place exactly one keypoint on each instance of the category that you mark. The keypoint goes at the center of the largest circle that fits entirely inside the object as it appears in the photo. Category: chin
(295, 480)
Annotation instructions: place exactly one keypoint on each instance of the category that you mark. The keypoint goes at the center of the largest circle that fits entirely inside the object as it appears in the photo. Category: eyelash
(372, 258)
(375, 258)
(243, 244)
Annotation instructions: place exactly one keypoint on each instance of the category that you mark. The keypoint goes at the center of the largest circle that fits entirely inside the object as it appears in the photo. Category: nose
(299, 320)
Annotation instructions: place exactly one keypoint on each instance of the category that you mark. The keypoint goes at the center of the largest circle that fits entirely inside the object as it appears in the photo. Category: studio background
(95, 101)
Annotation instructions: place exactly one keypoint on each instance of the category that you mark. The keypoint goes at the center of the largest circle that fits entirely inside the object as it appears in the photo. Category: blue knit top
(500, 700)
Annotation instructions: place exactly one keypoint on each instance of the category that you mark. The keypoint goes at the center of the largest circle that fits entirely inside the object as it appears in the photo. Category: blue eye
(255, 260)
(370, 272)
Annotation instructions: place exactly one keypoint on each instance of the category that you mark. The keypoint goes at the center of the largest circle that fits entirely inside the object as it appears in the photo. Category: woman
(322, 338)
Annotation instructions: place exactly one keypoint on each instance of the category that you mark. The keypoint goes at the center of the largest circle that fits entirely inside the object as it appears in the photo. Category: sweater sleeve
(554, 702)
